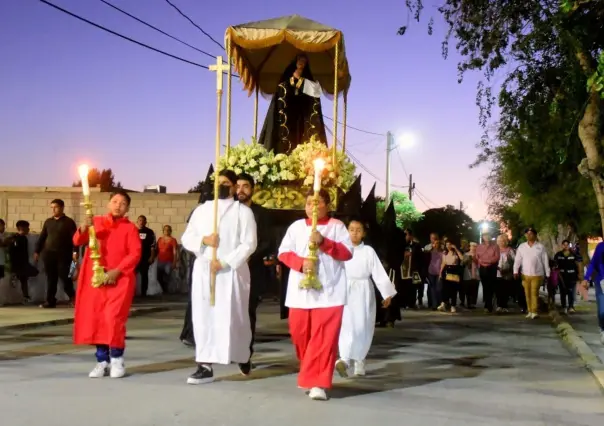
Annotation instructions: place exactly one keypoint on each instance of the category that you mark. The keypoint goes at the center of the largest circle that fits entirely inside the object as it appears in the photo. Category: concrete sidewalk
(28, 317)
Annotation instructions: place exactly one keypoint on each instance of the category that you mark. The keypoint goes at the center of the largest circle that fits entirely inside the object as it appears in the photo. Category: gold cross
(219, 68)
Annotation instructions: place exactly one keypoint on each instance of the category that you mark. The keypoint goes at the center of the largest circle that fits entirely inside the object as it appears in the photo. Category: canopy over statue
(292, 60)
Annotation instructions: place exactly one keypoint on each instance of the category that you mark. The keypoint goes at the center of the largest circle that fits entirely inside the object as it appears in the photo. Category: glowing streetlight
(404, 140)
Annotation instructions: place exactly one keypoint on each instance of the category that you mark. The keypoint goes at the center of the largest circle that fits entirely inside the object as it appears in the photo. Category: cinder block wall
(33, 204)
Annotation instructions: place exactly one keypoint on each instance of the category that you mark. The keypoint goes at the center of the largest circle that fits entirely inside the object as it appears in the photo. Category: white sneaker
(499, 310)
(442, 307)
(317, 394)
(101, 369)
(118, 369)
(529, 315)
(342, 368)
(359, 368)
(453, 309)
(534, 316)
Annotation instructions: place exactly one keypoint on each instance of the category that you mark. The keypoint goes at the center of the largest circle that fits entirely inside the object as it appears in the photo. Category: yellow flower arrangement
(268, 169)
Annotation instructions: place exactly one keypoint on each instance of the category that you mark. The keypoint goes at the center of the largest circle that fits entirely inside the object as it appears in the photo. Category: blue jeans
(104, 353)
(434, 291)
(600, 303)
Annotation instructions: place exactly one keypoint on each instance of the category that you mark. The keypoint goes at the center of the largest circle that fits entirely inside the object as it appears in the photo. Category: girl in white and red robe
(315, 316)
(358, 321)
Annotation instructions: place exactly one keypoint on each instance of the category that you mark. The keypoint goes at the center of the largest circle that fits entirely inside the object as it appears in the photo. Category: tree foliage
(446, 221)
(103, 178)
(549, 56)
(406, 213)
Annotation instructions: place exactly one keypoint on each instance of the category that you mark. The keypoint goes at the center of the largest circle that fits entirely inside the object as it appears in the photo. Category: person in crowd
(451, 271)
(595, 274)
(568, 264)
(434, 260)
(55, 247)
(148, 246)
(487, 259)
(471, 280)
(533, 262)
(167, 257)
(19, 256)
(505, 274)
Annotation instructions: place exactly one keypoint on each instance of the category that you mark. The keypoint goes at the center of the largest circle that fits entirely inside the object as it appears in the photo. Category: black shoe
(47, 305)
(245, 368)
(204, 374)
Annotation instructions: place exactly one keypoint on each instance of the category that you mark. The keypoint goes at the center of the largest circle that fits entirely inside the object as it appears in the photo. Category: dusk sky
(71, 93)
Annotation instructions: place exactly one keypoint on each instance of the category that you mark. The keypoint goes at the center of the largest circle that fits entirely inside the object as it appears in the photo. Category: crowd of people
(331, 325)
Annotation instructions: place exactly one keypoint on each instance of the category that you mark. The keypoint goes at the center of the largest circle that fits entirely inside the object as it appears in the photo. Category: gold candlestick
(311, 279)
(99, 277)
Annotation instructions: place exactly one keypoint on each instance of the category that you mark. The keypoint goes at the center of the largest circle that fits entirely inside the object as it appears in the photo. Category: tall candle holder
(99, 277)
(311, 279)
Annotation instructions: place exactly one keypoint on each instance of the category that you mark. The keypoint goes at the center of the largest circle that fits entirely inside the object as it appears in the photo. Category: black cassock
(293, 117)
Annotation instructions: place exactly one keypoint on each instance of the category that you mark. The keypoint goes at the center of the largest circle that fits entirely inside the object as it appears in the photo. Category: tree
(551, 99)
(406, 213)
(446, 221)
(103, 178)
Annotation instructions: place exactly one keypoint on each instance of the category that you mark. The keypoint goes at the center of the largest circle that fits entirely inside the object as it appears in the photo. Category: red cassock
(101, 313)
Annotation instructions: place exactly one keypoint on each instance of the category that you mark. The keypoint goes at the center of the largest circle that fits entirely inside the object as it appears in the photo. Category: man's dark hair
(22, 224)
(409, 232)
(230, 175)
(122, 193)
(143, 217)
(322, 193)
(248, 178)
(58, 202)
(2, 222)
(565, 242)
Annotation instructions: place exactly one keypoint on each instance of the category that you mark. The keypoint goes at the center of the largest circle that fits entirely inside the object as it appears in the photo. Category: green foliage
(103, 178)
(543, 53)
(446, 221)
(406, 213)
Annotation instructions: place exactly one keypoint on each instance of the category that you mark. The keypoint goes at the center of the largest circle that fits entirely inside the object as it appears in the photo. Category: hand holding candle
(319, 164)
(83, 171)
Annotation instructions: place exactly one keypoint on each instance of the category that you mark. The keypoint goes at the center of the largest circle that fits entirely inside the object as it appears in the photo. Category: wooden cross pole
(219, 68)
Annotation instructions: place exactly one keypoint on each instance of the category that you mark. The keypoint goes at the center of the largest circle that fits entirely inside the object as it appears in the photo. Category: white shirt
(331, 272)
(532, 261)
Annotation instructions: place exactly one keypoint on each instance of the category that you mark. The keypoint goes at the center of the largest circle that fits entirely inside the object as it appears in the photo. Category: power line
(356, 128)
(101, 27)
(194, 24)
(157, 29)
(121, 35)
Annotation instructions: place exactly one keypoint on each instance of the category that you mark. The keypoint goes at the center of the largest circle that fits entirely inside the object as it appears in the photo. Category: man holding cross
(222, 331)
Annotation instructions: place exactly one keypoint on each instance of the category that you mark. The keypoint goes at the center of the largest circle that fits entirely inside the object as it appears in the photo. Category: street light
(484, 227)
(404, 140)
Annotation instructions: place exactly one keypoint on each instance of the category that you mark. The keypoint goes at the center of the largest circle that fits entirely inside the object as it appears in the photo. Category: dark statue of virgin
(294, 114)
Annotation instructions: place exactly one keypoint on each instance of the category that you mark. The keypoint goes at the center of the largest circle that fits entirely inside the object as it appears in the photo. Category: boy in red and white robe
(315, 316)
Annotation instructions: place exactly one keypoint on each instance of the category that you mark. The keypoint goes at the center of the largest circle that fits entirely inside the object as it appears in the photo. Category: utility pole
(411, 187)
(388, 150)
(461, 205)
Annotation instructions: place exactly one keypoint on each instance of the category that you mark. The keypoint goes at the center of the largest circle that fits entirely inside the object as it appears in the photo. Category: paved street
(585, 322)
(433, 369)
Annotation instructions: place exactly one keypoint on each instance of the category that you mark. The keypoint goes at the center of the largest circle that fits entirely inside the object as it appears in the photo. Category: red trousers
(315, 334)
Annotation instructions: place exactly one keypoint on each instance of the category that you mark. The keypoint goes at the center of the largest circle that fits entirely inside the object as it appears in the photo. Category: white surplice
(222, 332)
(331, 272)
(358, 321)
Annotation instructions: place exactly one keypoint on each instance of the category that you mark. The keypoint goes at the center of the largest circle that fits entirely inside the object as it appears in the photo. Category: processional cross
(219, 68)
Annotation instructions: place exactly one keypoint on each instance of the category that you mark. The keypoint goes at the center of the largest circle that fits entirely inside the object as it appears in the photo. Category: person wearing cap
(487, 259)
(532, 260)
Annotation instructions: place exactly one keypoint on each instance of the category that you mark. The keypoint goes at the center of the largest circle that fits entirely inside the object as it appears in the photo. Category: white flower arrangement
(268, 169)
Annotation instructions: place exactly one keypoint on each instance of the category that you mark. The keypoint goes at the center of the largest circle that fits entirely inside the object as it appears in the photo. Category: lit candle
(319, 163)
(83, 170)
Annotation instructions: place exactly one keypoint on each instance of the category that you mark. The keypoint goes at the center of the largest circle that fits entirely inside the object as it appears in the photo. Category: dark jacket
(57, 236)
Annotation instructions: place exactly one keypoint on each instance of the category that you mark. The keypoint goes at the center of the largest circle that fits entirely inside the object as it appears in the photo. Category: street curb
(575, 342)
(134, 312)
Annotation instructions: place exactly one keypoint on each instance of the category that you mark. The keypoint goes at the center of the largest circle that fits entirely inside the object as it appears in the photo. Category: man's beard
(243, 198)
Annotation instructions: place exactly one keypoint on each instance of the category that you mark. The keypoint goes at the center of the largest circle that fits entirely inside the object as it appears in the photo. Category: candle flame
(319, 164)
(83, 171)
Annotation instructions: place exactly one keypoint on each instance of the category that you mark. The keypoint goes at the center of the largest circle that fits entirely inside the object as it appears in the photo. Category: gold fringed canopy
(262, 50)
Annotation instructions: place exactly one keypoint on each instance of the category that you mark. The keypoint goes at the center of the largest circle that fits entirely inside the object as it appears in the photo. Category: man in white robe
(222, 332)
(315, 316)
